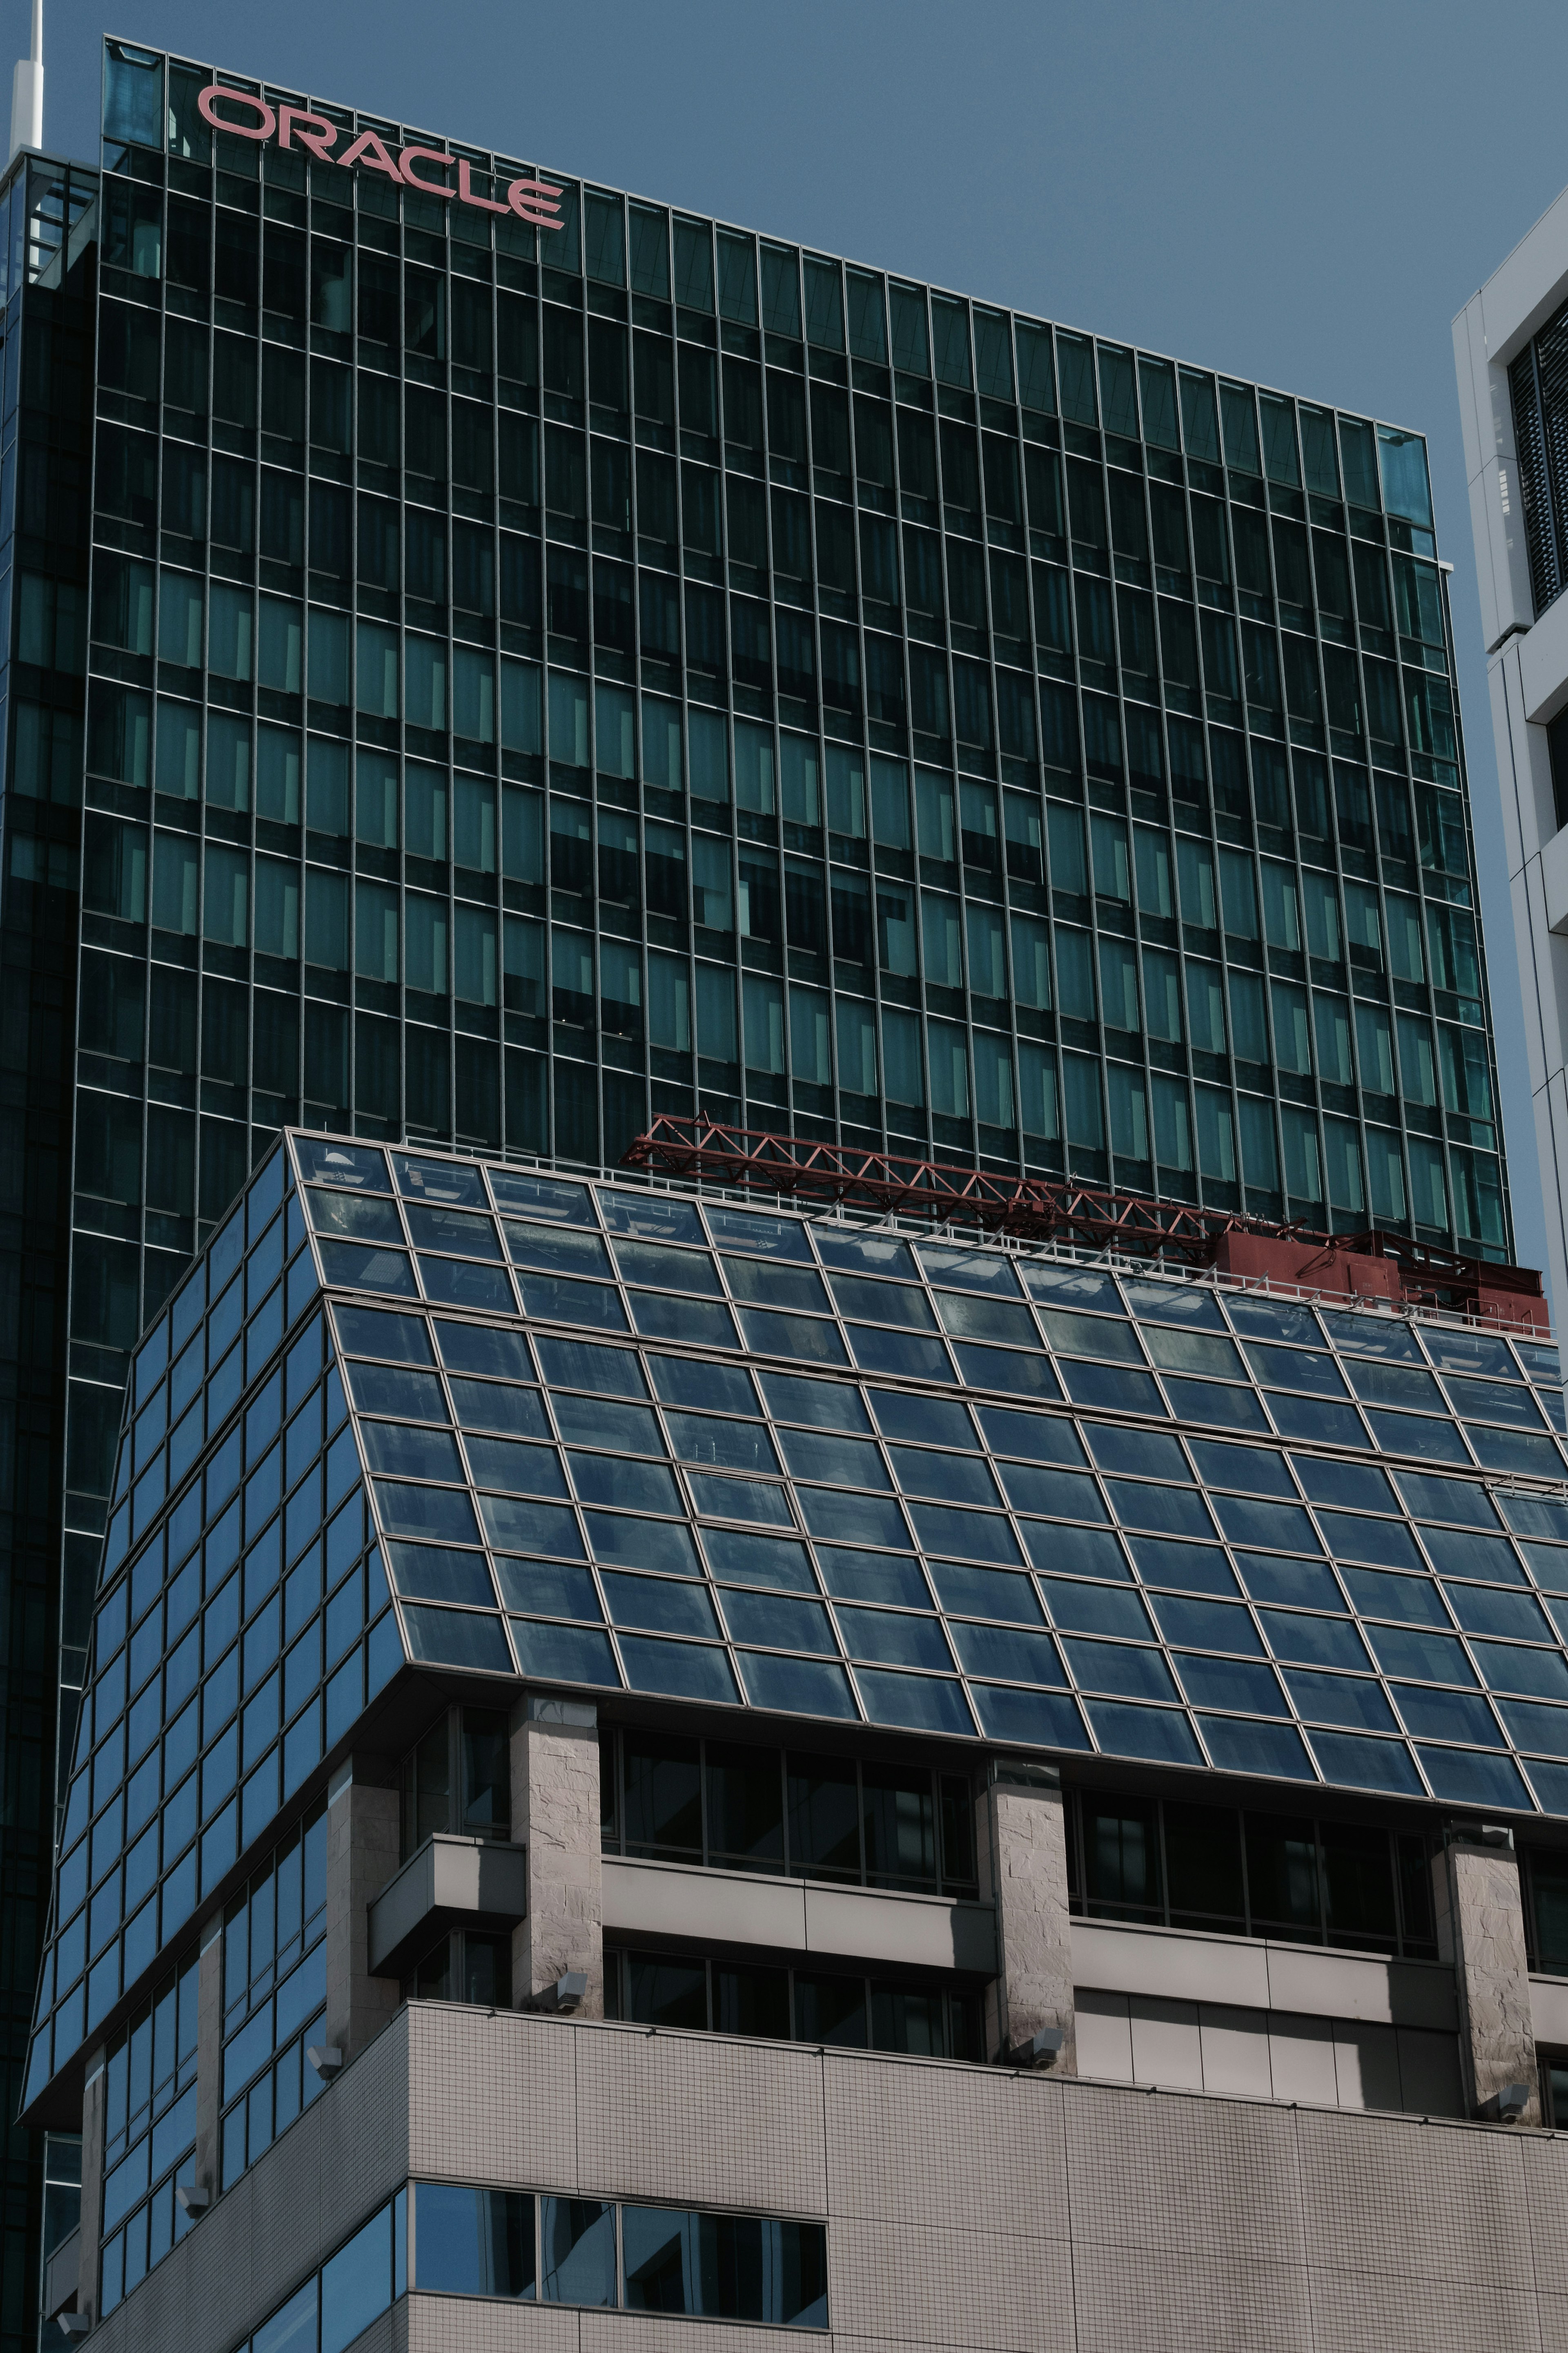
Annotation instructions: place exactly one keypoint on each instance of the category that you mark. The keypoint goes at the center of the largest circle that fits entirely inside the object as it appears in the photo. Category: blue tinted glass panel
(1113, 1387)
(1377, 1594)
(684, 1669)
(1435, 1658)
(1202, 1569)
(1038, 1718)
(1314, 1641)
(796, 1686)
(1534, 1727)
(758, 1559)
(571, 1653)
(1008, 1652)
(983, 1592)
(1447, 1715)
(458, 1638)
(516, 1526)
(1475, 1777)
(919, 1702)
(1230, 1683)
(628, 1543)
(1118, 1667)
(1236, 1746)
(1082, 1552)
(551, 1588)
(1207, 1625)
(579, 1364)
(1158, 1734)
(1356, 1763)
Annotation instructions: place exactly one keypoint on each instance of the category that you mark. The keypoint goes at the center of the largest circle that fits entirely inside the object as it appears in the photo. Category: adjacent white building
(1511, 350)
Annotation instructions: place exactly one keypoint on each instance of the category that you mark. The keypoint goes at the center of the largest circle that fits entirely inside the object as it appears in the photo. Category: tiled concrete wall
(965, 2207)
(341, 2160)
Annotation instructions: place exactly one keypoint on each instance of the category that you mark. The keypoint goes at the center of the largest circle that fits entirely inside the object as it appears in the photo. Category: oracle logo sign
(528, 199)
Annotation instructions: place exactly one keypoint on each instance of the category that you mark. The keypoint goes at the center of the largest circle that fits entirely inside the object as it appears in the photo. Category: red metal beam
(1089, 1217)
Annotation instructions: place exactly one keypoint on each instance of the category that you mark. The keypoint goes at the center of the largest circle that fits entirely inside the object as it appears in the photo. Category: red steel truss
(1087, 1217)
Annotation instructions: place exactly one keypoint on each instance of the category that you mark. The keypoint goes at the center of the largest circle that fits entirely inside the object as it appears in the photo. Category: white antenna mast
(28, 90)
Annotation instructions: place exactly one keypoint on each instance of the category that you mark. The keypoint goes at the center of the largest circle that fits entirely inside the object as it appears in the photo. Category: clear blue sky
(1305, 195)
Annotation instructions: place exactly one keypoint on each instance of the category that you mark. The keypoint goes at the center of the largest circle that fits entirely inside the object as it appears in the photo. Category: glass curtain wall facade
(48, 261)
(517, 680)
(414, 1415)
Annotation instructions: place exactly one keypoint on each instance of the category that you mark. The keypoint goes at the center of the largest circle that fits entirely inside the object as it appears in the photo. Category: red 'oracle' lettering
(529, 198)
(207, 106)
(534, 200)
(311, 130)
(369, 149)
(411, 156)
(466, 194)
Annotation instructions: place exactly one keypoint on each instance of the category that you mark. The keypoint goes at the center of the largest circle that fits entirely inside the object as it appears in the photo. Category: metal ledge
(658, 1901)
(449, 1881)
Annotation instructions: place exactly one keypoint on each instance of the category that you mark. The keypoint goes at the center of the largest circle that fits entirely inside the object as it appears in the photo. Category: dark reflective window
(1121, 1859)
(1203, 1864)
(824, 1818)
(745, 1806)
(662, 1795)
(1283, 1875)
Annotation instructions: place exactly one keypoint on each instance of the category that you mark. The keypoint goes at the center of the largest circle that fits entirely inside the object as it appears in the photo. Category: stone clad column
(1023, 1848)
(363, 1850)
(1479, 1908)
(555, 1813)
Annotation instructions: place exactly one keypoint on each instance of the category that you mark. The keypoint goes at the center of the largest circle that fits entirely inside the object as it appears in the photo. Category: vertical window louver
(1539, 384)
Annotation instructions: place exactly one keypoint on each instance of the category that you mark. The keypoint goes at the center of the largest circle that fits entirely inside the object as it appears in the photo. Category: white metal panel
(1167, 1962)
(1548, 2010)
(1430, 2083)
(1302, 2060)
(1166, 2044)
(1367, 2067)
(1104, 2035)
(1236, 2050)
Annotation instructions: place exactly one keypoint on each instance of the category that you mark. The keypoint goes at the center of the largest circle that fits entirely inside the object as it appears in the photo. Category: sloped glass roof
(412, 1409)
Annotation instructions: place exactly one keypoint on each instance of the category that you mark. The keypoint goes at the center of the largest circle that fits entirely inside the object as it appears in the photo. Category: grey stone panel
(1544, 2165)
(647, 2332)
(491, 2098)
(1185, 2303)
(1419, 2200)
(465, 2323)
(1023, 1843)
(332, 2168)
(1480, 1925)
(1167, 2174)
(1392, 2312)
(705, 2121)
(1002, 2165)
(931, 2286)
(363, 1831)
(555, 1815)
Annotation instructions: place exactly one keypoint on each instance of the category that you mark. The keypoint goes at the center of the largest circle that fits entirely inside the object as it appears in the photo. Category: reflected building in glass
(494, 662)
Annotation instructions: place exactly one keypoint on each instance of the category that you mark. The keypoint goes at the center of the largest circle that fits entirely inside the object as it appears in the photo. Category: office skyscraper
(495, 661)
(1509, 342)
